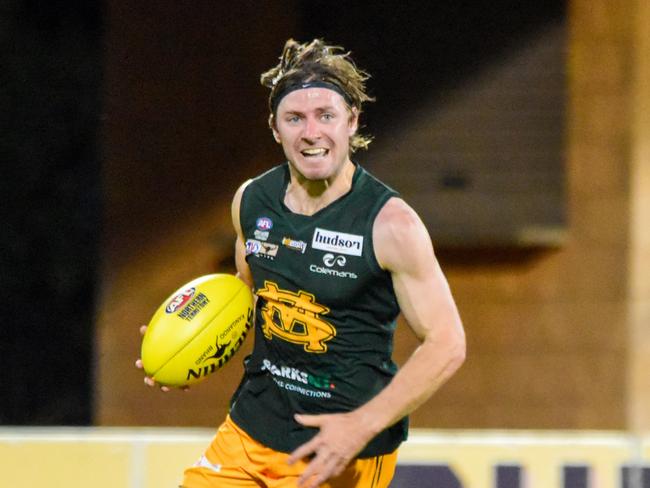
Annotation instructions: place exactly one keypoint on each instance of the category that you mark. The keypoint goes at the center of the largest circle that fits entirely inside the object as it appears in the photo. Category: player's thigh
(376, 472)
(204, 477)
(225, 463)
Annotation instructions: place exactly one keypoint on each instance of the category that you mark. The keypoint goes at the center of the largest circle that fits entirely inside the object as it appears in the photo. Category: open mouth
(314, 152)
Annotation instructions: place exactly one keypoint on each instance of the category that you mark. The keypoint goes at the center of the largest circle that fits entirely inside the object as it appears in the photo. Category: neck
(307, 197)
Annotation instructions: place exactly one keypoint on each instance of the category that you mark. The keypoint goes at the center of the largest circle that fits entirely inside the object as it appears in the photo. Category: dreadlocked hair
(317, 61)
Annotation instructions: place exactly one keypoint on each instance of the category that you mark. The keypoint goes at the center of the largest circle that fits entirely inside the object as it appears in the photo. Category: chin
(314, 170)
(316, 175)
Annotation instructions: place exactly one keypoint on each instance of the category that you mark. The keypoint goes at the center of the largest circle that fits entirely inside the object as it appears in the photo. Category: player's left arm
(403, 247)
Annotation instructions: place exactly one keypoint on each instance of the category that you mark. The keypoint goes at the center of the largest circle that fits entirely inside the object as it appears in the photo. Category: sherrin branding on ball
(197, 329)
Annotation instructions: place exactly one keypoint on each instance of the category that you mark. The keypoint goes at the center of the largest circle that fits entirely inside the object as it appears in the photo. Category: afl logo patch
(264, 223)
(180, 300)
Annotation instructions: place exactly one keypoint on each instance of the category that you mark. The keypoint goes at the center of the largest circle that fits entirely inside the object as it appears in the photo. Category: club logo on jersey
(299, 246)
(180, 300)
(261, 249)
(295, 317)
(264, 224)
(332, 261)
(337, 242)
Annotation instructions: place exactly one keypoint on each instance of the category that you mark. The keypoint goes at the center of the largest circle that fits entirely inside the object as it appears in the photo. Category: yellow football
(197, 329)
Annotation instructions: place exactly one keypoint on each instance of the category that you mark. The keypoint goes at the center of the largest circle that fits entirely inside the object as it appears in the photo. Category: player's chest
(323, 256)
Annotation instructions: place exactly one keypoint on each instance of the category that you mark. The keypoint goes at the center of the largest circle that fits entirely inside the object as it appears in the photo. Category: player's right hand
(147, 379)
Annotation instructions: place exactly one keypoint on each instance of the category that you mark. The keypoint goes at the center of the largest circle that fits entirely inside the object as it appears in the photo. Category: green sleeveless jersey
(325, 312)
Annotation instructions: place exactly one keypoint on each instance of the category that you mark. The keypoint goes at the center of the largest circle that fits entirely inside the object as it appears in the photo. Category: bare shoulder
(396, 213)
(236, 204)
(236, 201)
(399, 236)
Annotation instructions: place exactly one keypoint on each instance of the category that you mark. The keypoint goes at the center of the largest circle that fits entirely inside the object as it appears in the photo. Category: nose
(312, 129)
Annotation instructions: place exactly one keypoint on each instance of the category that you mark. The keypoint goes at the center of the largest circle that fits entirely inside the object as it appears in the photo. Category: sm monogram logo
(295, 317)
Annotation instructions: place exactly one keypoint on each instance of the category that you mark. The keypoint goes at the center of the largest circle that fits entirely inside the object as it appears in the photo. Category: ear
(276, 134)
(353, 121)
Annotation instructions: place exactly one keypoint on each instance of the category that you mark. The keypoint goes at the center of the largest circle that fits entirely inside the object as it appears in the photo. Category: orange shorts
(235, 460)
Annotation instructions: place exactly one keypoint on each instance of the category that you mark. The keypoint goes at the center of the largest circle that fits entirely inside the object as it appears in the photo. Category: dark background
(52, 78)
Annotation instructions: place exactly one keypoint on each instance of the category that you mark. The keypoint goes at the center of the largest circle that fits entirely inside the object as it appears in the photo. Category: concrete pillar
(638, 408)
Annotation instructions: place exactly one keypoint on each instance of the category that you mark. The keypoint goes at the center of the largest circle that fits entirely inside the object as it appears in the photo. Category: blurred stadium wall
(558, 335)
(555, 334)
(166, 98)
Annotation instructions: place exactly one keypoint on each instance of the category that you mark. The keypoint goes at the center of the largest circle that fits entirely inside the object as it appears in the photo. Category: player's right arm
(243, 271)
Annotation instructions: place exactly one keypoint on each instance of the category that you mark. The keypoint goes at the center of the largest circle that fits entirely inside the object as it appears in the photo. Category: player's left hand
(340, 438)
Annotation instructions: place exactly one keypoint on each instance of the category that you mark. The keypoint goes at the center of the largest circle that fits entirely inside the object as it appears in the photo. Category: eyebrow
(325, 108)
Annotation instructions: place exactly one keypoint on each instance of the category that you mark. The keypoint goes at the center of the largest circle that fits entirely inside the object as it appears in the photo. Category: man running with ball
(333, 256)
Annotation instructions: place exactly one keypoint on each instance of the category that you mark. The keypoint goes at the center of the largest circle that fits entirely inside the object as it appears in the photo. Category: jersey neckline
(287, 179)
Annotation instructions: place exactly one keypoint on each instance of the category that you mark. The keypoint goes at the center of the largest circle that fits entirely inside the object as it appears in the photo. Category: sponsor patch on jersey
(264, 223)
(295, 374)
(330, 260)
(253, 246)
(263, 249)
(262, 235)
(299, 246)
(337, 242)
(333, 263)
(180, 300)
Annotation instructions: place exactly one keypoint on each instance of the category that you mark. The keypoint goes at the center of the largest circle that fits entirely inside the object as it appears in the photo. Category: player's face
(314, 126)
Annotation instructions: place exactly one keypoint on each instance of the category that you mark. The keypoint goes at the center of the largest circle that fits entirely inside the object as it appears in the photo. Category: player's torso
(326, 311)
(318, 283)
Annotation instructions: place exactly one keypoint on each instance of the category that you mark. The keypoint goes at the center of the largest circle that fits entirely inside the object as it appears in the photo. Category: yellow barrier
(155, 458)
(97, 457)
